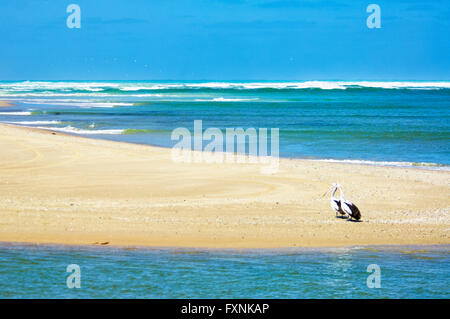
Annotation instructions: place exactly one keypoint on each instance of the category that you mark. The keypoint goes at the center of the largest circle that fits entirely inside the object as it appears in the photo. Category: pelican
(348, 207)
(334, 202)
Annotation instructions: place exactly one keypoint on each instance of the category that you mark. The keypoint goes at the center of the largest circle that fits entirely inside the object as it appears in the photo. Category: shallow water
(39, 271)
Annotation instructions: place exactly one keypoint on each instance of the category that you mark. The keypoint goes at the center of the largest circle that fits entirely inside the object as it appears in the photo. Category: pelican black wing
(356, 214)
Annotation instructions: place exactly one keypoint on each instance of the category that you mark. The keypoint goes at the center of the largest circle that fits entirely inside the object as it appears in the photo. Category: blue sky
(225, 40)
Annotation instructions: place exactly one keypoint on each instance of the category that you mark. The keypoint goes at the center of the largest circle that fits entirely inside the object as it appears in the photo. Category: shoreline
(189, 249)
(76, 196)
(395, 164)
(366, 162)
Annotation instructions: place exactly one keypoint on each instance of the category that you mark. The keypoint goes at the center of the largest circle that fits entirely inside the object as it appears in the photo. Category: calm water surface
(36, 271)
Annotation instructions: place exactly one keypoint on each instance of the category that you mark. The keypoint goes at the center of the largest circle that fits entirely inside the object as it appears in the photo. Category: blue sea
(382, 123)
(37, 271)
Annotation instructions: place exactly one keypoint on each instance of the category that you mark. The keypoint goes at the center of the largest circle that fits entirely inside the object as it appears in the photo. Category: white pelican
(348, 207)
(334, 202)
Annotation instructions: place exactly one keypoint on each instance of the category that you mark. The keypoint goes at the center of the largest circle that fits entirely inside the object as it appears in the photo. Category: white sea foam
(15, 113)
(79, 103)
(74, 130)
(135, 88)
(35, 122)
(8, 96)
(41, 85)
(28, 88)
(221, 99)
(433, 166)
(325, 85)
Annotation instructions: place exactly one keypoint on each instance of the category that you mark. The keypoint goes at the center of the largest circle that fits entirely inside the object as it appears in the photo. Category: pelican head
(332, 188)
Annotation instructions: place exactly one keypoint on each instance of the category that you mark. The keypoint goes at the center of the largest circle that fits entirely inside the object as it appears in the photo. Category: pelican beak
(328, 191)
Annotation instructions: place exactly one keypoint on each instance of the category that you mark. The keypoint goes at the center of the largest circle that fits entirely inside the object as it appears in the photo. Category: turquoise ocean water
(387, 123)
(382, 123)
(33, 271)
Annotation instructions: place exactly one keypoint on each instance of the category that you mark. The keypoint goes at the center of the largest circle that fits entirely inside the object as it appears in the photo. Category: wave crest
(27, 88)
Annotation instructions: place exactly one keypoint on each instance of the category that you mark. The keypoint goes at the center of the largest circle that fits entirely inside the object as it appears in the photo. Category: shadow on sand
(354, 220)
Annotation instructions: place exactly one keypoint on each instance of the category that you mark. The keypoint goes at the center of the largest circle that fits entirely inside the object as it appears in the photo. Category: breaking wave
(55, 89)
(434, 166)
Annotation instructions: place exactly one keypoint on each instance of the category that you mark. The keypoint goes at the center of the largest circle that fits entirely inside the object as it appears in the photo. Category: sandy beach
(57, 188)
